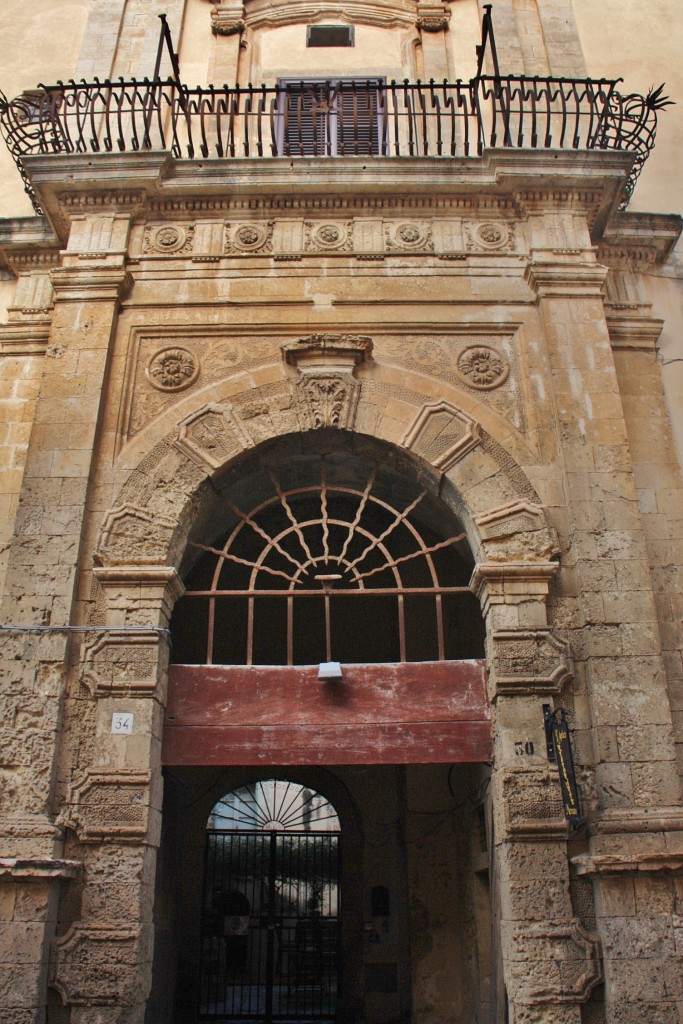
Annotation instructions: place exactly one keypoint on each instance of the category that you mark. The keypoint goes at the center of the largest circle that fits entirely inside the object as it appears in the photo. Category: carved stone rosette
(172, 369)
(332, 236)
(482, 367)
(168, 239)
(409, 236)
(249, 237)
(489, 236)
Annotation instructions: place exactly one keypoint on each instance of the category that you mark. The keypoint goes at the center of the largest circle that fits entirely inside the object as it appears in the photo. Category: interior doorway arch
(271, 925)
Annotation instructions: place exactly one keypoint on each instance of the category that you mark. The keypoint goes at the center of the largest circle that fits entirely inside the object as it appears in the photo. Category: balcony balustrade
(333, 118)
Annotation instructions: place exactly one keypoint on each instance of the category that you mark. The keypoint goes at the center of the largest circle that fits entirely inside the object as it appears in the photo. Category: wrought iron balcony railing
(332, 118)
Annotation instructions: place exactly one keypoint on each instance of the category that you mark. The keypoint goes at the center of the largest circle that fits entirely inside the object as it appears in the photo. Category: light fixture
(328, 671)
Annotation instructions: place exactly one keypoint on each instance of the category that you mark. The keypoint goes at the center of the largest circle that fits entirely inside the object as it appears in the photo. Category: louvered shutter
(329, 118)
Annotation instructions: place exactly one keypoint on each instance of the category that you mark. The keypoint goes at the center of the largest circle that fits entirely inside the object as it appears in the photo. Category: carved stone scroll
(442, 435)
(566, 959)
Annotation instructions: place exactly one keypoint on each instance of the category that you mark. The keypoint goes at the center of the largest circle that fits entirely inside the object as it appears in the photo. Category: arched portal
(270, 934)
(327, 632)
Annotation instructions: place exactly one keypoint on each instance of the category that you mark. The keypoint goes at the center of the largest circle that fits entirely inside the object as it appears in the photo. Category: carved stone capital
(564, 280)
(432, 17)
(90, 284)
(517, 529)
(511, 582)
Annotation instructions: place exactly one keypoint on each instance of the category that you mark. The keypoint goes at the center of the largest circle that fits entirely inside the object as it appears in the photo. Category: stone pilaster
(622, 710)
(551, 963)
(433, 17)
(102, 965)
(39, 593)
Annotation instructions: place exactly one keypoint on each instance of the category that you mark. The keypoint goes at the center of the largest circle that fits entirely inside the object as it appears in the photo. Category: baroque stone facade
(482, 332)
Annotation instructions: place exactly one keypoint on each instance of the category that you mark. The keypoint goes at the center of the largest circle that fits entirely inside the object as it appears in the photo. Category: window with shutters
(330, 117)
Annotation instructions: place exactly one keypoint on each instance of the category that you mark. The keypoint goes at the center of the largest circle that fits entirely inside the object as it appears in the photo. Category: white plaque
(122, 723)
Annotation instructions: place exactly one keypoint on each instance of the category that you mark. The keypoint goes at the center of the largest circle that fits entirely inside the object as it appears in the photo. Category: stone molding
(24, 339)
(442, 435)
(380, 13)
(38, 867)
(638, 819)
(565, 280)
(496, 582)
(111, 804)
(343, 352)
(587, 865)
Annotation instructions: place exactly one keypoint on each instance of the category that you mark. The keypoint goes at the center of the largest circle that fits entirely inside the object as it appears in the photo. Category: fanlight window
(274, 805)
(330, 572)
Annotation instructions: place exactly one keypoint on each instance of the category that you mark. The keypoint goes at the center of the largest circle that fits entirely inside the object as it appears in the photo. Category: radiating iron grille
(328, 572)
(270, 917)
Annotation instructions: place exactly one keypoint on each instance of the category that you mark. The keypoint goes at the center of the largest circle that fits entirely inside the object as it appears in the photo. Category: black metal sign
(560, 750)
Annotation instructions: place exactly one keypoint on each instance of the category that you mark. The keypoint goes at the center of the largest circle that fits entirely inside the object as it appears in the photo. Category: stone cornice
(564, 279)
(38, 867)
(586, 865)
(24, 339)
(381, 13)
(136, 183)
(637, 240)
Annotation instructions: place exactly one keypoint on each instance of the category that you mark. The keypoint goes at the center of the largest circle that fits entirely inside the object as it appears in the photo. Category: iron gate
(270, 926)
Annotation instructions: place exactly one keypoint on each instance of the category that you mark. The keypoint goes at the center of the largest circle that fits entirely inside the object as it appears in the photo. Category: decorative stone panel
(121, 664)
(530, 661)
(108, 805)
(442, 435)
(516, 530)
(133, 534)
(533, 803)
(97, 965)
(562, 962)
(212, 436)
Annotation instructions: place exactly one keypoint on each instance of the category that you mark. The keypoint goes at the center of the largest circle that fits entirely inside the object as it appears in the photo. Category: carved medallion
(169, 239)
(330, 236)
(409, 236)
(251, 237)
(489, 235)
(482, 367)
(172, 369)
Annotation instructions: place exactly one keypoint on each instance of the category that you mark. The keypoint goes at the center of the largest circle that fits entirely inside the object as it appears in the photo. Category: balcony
(332, 118)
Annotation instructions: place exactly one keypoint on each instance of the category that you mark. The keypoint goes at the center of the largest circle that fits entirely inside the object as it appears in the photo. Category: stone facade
(491, 323)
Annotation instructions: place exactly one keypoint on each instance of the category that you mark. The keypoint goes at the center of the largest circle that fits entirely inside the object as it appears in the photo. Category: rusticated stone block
(109, 804)
(530, 661)
(122, 663)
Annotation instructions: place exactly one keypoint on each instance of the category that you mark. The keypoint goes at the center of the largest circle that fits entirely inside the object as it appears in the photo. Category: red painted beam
(408, 713)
